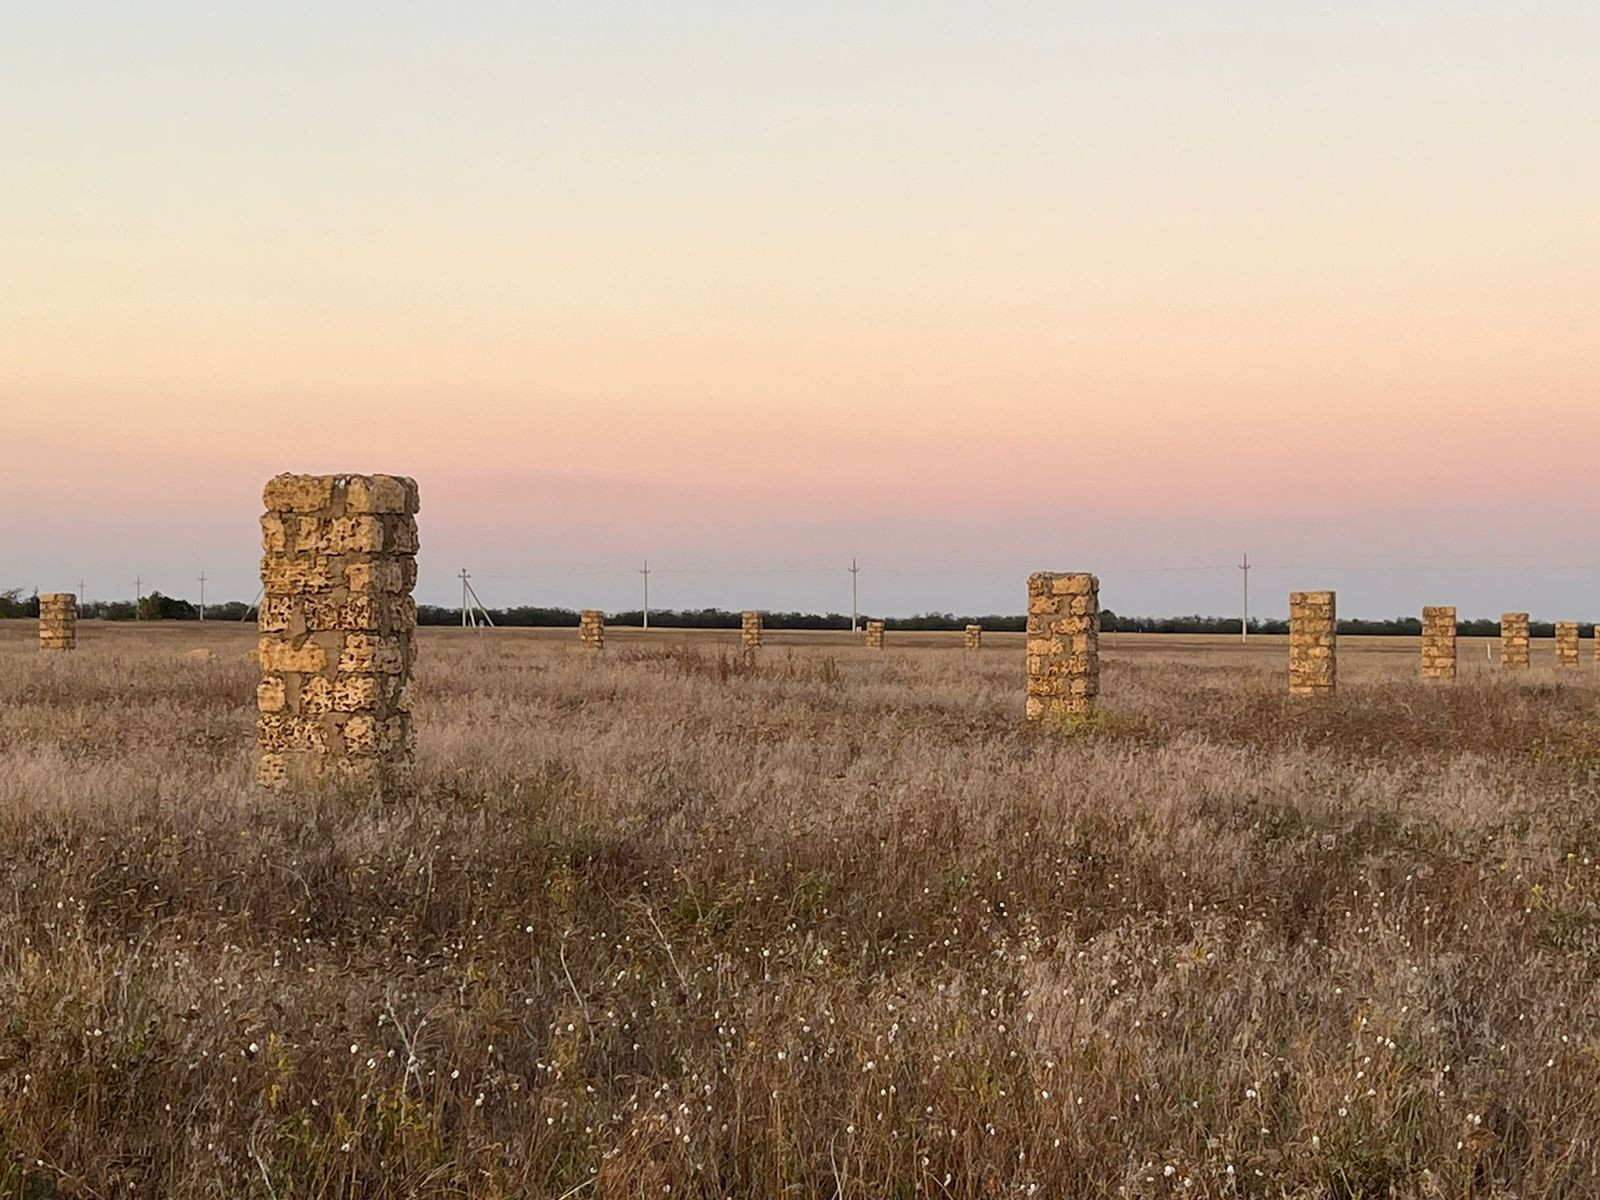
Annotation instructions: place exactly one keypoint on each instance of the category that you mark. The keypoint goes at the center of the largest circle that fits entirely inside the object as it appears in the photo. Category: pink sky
(968, 297)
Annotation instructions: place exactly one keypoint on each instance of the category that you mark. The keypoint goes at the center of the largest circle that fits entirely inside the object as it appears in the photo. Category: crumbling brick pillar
(973, 637)
(592, 629)
(58, 620)
(1566, 643)
(1439, 641)
(750, 630)
(1063, 644)
(874, 635)
(1313, 644)
(338, 629)
(1514, 641)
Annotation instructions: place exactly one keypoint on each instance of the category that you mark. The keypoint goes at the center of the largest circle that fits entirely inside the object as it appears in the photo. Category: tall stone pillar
(338, 629)
(1063, 644)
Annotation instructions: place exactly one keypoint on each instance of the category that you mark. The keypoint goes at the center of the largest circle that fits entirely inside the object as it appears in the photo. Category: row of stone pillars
(1313, 643)
(338, 632)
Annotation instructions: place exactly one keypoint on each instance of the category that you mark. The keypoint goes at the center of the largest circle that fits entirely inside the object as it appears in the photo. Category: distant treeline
(152, 607)
(156, 607)
(1392, 627)
(1110, 622)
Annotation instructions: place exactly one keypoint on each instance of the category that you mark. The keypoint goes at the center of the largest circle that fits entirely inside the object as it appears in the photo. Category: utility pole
(202, 595)
(472, 606)
(646, 573)
(855, 595)
(138, 590)
(1244, 624)
(80, 595)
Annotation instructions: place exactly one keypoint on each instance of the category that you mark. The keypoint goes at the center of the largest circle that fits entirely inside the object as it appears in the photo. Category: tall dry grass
(659, 924)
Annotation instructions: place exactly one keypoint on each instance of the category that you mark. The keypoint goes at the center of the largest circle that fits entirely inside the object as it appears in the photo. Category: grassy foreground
(663, 924)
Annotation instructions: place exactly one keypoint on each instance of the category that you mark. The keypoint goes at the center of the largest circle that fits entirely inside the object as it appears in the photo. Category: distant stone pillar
(1313, 644)
(1063, 644)
(58, 621)
(973, 638)
(750, 630)
(338, 629)
(1514, 641)
(1439, 641)
(1566, 643)
(874, 635)
(592, 629)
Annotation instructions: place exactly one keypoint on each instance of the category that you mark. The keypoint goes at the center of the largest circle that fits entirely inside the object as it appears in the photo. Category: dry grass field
(837, 925)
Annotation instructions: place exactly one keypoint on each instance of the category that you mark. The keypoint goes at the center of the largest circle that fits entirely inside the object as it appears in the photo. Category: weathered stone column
(1063, 644)
(58, 620)
(1313, 644)
(1439, 641)
(972, 639)
(874, 635)
(750, 630)
(592, 629)
(1566, 643)
(1514, 641)
(338, 629)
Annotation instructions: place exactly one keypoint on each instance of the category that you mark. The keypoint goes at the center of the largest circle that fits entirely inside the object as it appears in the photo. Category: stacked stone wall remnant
(1063, 644)
(1566, 643)
(973, 637)
(58, 620)
(592, 629)
(874, 635)
(1313, 644)
(750, 630)
(1439, 641)
(338, 629)
(1514, 641)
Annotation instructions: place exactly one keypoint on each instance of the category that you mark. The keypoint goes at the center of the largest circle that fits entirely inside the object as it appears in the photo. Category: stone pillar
(973, 639)
(1063, 644)
(592, 629)
(338, 629)
(1439, 641)
(1566, 643)
(874, 635)
(1513, 641)
(58, 620)
(1313, 644)
(750, 630)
